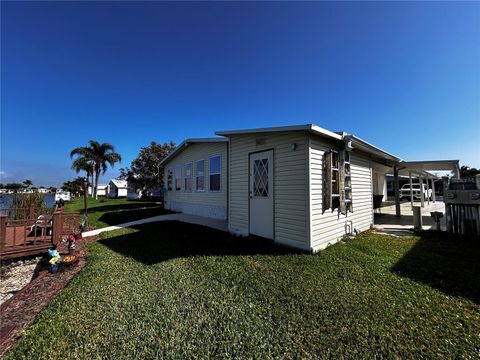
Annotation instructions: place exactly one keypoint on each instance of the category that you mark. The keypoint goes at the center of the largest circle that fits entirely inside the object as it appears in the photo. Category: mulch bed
(20, 311)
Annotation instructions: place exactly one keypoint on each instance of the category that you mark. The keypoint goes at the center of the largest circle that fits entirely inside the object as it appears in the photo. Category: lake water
(7, 199)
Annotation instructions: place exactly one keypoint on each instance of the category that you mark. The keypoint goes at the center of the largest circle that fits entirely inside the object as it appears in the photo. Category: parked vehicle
(405, 192)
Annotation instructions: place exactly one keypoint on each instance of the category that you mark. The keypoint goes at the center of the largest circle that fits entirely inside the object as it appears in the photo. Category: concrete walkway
(191, 219)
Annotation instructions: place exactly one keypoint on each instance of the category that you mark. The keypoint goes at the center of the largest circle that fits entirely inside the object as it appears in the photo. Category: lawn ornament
(71, 239)
(71, 244)
(55, 259)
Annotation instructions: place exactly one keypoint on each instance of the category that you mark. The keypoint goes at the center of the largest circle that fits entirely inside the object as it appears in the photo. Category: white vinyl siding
(212, 201)
(329, 227)
(290, 173)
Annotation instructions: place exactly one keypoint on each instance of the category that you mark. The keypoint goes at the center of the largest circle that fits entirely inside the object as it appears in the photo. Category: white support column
(422, 197)
(411, 188)
(428, 189)
(433, 190)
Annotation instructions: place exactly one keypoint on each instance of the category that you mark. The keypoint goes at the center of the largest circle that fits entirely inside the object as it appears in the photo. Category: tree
(82, 163)
(75, 187)
(98, 156)
(27, 183)
(466, 171)
(14, 186)
(145, 172)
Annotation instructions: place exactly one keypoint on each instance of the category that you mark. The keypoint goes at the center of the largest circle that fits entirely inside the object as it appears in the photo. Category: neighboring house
(102, 190)
(133, 194)
(302, 186)
(117, 188)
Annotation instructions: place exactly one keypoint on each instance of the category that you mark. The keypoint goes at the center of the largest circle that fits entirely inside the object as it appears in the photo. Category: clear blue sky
(403, 76)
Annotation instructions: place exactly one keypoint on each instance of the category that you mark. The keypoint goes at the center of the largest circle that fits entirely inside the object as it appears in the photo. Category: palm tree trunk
(97, 174)
(85, 195)
(92, 185)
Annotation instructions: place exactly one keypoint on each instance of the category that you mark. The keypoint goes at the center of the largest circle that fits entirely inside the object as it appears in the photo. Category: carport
(423, 171)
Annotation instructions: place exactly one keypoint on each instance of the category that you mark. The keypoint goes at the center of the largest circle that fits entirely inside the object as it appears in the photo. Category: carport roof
(423, 167)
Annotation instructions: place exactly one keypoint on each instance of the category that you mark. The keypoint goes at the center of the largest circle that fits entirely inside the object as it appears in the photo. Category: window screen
(200, 175)
(178, 177)
(215, 173)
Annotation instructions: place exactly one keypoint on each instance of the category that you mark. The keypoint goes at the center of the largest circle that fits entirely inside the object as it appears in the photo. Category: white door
(261, 194)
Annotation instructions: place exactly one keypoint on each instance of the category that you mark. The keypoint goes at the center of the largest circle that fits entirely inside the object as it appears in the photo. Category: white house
(102, 190)
(302, 186)
(117, 188)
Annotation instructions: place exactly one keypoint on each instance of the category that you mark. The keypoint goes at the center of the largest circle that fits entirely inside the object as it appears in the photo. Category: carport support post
(433, 190)
(422, 195)
(397, 191)
(428, 189)
(411, 188)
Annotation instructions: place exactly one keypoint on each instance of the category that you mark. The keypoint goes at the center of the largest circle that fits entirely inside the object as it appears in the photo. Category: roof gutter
(369, 148)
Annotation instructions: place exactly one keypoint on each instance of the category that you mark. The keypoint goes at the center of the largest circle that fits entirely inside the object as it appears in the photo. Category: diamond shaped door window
(260, 178)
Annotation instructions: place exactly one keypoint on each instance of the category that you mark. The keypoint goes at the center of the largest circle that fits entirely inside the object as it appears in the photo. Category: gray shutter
(341, 186)
(327, 180)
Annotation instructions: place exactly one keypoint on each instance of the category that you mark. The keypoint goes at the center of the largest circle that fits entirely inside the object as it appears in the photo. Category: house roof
(317, 130)
(119, 183)
(186, 142)
(312, 128)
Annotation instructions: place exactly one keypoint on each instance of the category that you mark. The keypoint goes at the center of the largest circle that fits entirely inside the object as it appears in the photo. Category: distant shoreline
(7, 199)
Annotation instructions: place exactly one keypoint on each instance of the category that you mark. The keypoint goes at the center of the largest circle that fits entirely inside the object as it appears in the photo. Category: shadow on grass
(133, 205)
(446, 262)
(127, 215)
(157, 242)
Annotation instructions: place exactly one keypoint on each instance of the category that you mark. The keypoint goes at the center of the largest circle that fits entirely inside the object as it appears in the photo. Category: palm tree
(82, 163)
(27, 183)
(99, 156)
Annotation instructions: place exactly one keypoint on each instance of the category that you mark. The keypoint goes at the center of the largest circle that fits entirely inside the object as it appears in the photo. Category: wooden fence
(36, 232)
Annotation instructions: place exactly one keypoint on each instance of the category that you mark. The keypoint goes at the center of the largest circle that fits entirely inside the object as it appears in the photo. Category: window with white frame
(169, 179)
(178, 178)
(187, 182)
(215, 173)
(200, 175)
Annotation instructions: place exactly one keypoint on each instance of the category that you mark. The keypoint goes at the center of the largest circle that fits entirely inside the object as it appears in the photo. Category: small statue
(55, 259)
(71, 243)
(71, 239)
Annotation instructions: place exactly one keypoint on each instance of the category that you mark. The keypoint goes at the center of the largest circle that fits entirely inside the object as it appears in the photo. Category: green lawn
(174, 290)
(105, 212)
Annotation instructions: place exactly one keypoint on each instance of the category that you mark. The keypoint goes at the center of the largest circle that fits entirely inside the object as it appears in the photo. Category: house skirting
(210, 211)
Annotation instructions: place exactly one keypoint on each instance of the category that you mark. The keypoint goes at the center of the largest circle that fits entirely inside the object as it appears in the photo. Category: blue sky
(403, 76)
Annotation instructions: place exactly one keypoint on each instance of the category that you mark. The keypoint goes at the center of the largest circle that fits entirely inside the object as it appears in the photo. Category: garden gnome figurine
(71, 244)
(55, 259)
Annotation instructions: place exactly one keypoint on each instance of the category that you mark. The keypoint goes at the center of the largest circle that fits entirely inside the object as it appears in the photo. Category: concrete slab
(386, 220)
(218, 224)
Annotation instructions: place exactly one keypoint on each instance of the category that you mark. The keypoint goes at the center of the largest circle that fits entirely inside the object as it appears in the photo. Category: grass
(105, 212)
(174, 290)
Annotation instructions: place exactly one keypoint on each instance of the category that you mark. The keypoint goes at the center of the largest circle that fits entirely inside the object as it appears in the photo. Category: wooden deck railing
(35, 233)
